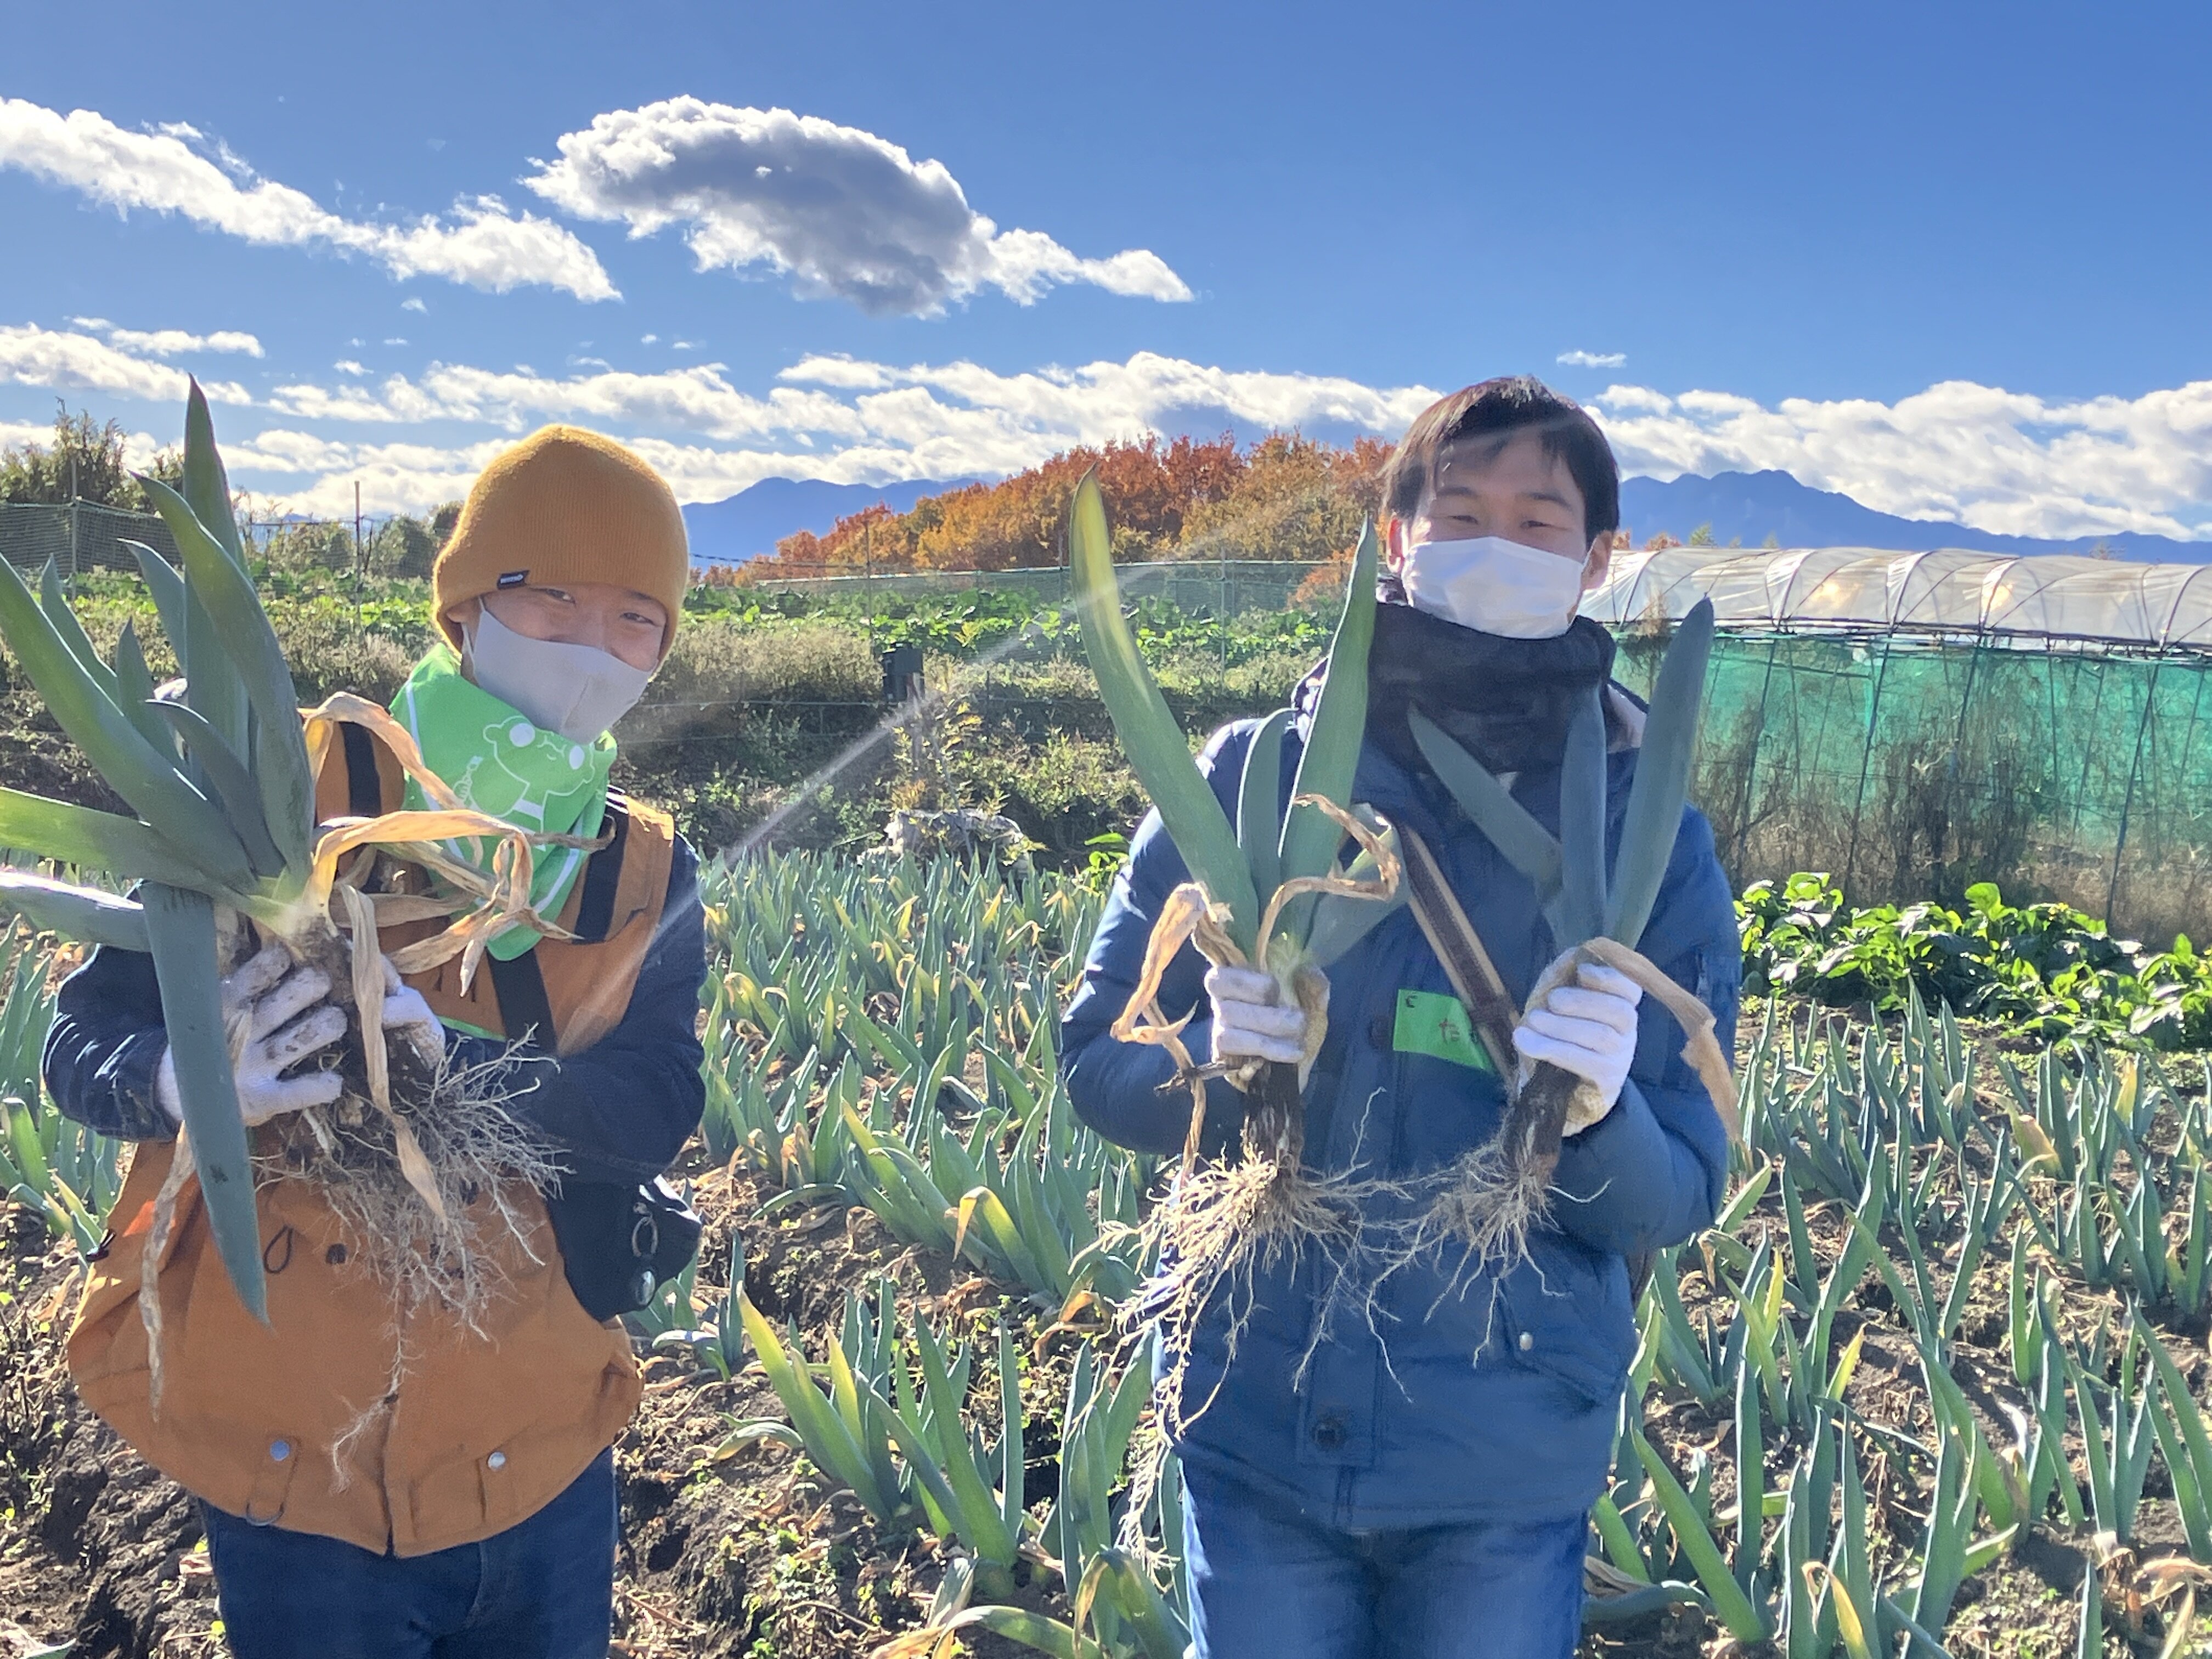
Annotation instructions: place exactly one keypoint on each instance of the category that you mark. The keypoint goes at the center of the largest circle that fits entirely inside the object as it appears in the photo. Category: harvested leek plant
(227, 854)
(1497, 1193)
(1263, 891)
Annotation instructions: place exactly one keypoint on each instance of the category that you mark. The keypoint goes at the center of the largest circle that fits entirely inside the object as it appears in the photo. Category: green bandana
(498, 762)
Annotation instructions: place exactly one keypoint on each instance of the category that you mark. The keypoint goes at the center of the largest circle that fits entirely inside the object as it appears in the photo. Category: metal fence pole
(2128, 800)
(1958, 741)
(1866, 764)
(2088, 735)
(1751, 769)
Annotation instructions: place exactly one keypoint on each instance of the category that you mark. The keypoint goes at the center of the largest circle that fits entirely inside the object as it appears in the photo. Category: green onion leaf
(233, 783)
(1155, 745)
(280, 756)
(84, 914)
(168, 588)
(180, 928)
(99, 841)
(1260, 805)
(1582, 825)
(1663, 778)
(130, 765)
(1331, 760)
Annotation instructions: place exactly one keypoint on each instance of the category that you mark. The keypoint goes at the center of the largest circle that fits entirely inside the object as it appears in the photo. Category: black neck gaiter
(1506, 701)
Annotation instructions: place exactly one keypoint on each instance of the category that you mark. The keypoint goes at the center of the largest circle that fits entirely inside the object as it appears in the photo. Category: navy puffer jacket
(1483, 1400)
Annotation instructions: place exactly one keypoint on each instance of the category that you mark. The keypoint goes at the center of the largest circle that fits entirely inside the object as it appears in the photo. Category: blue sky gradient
(1811, 216)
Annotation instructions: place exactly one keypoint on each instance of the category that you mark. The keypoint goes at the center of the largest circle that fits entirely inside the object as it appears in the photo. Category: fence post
(1951, 765)
(1866, 763)
(2128, 800)
(1751, 769)
(2088, 742)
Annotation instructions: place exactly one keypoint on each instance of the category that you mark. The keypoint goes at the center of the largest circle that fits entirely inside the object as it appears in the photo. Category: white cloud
(478, 242)
(844, 213)
(710, 437)
(2000, 461)
(316, 476)
(1992, 459)
(31, 356)
(697, 401)
(1592, 359)
(413, 303)
(174, 341)
(169, 342)
(838, 371)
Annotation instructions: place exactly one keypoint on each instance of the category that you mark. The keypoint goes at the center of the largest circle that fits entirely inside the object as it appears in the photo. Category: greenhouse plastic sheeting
(2055, 596)
(1916, 722)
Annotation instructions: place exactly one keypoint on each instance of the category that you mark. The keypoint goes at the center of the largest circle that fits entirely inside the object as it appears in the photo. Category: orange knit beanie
(565, 505)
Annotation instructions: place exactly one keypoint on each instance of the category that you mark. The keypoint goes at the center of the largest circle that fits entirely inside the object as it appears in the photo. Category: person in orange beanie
(381, 1478)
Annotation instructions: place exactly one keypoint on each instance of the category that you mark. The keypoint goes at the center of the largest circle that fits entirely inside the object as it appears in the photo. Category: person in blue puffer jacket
(1414, 1480)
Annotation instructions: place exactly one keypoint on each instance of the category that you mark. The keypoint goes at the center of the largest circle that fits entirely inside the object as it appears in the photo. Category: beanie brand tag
(513, 578)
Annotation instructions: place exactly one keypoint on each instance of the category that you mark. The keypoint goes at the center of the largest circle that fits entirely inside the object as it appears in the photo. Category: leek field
(1935, 1382)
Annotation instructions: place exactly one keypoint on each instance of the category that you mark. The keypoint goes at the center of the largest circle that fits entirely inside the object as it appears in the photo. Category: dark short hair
(1499, 408)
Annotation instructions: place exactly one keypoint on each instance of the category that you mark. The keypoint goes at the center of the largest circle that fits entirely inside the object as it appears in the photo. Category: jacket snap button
(335, 1255)
(1328, 1430)
(279, 1450)
(1378, 1030)
(1527, 1340)
(497, 1460)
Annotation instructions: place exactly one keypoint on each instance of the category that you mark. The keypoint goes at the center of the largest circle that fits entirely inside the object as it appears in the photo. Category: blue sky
(1951, 259)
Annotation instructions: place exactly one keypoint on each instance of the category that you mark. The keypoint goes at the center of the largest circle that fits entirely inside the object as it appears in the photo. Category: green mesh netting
(1910, 769)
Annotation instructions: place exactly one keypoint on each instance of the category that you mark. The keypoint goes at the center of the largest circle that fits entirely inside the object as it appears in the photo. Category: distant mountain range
(1750, 507)
(1745, 507)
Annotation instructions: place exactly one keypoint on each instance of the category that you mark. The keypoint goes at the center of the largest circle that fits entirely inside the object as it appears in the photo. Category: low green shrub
(2046, 971)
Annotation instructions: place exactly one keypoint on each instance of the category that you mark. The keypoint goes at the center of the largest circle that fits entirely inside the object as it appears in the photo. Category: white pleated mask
(1494, 586)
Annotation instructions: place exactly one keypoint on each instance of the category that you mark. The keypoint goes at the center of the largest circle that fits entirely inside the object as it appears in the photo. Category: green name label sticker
(1433, 1023)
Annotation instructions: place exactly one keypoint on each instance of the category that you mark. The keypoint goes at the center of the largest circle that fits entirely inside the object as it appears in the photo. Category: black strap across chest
(364, 788)
(523, 1007)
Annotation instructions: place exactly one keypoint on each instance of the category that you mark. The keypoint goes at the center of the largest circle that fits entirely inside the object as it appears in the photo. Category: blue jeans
(1269, 1581)
(542, 1589)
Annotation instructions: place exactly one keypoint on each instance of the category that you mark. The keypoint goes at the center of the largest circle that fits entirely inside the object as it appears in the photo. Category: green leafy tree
(85, 462)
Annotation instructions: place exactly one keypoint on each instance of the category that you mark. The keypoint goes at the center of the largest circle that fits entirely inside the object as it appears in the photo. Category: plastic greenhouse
(1917, 722)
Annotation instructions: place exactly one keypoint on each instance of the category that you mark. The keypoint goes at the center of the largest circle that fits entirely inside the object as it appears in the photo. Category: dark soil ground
(754, 1553)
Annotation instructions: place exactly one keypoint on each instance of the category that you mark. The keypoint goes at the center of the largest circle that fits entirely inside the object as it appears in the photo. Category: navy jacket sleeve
(1651, 1172)
(621, 1109)
(1121, 1088)
(105, 1044)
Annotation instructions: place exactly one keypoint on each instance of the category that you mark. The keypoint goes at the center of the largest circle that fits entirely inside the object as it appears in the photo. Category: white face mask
(578, 690)
(1495, 585)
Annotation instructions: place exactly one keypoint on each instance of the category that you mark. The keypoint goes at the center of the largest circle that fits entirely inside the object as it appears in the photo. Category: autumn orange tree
(1287, 497)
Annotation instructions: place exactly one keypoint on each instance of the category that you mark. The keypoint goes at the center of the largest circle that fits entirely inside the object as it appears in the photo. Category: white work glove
(1589, 1028)
(408, 1017)
(1251, 1021)
(287, 1020)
